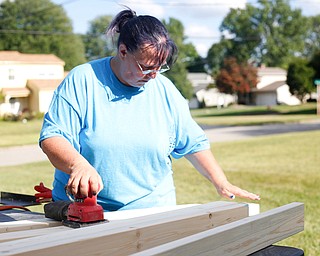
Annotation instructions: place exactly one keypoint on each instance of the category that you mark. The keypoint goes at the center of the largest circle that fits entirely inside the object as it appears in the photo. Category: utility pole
(317, 83)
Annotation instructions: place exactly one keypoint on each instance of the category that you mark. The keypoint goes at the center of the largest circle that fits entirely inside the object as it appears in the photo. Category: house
(272, 88)
(27, 81)
(207, 97)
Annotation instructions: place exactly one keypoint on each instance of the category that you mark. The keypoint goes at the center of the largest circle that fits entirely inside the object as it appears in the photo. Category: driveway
(32, 153)
(21, 155)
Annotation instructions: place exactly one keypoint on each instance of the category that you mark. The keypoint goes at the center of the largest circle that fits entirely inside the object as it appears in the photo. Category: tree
(216, 55)
(315, 64)
(178, 72)
(97, 44)
(243, 27)
(235, 78)
(312, 40)
(195, 63)
(39, 26)
(271, 33)
(300, 78)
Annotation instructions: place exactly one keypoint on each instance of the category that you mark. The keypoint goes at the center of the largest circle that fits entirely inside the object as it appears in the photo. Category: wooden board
(35, 224)
(27, 224)
(241, 237)
(129, 236)
(11, 236)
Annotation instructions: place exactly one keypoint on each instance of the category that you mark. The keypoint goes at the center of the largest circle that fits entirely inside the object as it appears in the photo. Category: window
(11, 74)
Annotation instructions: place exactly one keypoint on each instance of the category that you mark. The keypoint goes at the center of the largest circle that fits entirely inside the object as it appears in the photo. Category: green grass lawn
(19, 133)
(281, 168)
(255, 115)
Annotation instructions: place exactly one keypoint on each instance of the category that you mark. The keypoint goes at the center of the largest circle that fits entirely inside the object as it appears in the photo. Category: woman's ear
(123, 50)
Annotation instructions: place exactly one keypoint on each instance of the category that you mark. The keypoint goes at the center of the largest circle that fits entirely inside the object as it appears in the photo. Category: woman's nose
(152, 75)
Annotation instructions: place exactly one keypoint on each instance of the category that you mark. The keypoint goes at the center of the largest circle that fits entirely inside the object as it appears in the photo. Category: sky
(201, 18)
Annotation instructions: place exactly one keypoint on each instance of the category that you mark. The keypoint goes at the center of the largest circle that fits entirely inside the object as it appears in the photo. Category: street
(220, 134)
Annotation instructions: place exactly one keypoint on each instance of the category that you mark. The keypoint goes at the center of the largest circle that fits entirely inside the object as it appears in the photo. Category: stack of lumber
(217, 228)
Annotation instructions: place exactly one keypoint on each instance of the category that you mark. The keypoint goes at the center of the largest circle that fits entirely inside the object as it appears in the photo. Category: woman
(114, 123)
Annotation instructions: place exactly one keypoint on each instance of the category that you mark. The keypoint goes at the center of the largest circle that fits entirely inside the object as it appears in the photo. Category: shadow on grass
(242, 113)
(302, 112)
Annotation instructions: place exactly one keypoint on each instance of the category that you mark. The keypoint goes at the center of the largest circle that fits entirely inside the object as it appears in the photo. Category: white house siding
(23, 72)
(268, 76)
(45, 99)
(17, 73)
(42, 71)
(17, 69)
(272, 88)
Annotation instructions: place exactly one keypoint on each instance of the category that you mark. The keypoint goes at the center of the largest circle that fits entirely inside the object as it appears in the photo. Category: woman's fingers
(231, 192)
(84, 183)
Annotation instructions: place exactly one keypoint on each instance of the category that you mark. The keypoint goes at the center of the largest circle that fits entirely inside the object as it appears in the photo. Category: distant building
(27, 81)
(272, 88)
(207, 97)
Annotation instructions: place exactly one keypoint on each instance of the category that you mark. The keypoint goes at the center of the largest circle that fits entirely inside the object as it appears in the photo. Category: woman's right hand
(65, 158)
(84, 177)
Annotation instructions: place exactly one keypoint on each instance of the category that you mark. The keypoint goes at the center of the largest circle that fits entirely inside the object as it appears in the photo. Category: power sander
(78, 212)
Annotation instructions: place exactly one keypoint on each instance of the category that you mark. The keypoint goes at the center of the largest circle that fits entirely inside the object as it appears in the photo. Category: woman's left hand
(227, 190)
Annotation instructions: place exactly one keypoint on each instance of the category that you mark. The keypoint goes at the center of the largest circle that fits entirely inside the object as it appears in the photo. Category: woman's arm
(65, 158)
(207, 165)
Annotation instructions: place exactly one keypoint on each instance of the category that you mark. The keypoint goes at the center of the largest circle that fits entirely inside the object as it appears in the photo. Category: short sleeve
(190, 137)
(64, 116)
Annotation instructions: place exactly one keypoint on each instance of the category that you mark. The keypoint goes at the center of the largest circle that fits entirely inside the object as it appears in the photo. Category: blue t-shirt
(126, 133)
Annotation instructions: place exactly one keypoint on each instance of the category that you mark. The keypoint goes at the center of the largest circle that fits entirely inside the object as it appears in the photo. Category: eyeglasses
(162, 69)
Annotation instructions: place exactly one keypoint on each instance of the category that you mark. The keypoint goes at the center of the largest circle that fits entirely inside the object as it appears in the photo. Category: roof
(199, 81)
(271, 71)
(200, 86)
(44, 84)
(17, 57)
(16, 92)
(270, 87)
(199, 76)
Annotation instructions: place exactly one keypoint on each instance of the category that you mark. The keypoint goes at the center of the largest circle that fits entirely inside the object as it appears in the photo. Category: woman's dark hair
(144, 30)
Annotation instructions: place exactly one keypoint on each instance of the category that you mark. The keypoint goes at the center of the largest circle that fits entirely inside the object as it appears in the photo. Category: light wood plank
(30, 229)
(10, 236)
(241, 237)
(129, 236)
(12, 226)
(134, 213)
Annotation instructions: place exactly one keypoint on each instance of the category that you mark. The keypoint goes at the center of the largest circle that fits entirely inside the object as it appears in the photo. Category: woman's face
(139, 67)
